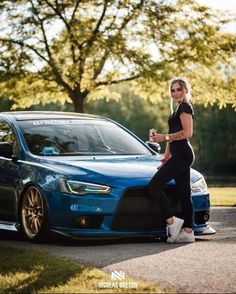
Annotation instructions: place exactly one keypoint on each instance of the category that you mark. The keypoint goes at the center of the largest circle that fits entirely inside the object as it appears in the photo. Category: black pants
(177, 168)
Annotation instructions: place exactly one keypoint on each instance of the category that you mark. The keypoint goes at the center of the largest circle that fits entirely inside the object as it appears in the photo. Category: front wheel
(34, 215)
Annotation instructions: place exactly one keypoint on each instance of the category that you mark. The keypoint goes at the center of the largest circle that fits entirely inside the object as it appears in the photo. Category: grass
(222, 196)
(34, 271)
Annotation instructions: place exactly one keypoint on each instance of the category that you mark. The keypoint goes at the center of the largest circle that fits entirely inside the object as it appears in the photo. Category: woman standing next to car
(177, 161)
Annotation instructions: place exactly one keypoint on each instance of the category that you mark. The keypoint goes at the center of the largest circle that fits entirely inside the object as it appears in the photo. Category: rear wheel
(34, 215)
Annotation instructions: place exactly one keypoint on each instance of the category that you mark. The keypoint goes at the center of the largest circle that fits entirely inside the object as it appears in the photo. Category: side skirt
(9, 226)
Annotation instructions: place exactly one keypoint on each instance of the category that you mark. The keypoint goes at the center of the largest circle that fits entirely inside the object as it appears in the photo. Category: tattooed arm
(167, 152)
(185, 133)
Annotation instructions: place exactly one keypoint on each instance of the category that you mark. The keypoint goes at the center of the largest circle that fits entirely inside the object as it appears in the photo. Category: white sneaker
(185, 237)
(174, 229)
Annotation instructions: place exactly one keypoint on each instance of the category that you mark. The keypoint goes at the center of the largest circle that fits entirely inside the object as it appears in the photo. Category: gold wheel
(32, 212)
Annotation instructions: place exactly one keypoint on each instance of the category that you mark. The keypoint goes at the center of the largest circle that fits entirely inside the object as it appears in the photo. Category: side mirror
(154, 145)
(6, 149)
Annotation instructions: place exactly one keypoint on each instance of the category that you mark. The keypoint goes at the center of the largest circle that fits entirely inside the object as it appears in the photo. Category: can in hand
(152, 132)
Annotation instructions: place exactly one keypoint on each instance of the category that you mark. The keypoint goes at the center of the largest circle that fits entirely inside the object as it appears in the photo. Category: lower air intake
(138, 211)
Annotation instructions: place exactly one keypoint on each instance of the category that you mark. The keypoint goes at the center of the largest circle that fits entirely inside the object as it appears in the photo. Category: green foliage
(76, 49)
(214, 85)
(132, 111)
(215, 140)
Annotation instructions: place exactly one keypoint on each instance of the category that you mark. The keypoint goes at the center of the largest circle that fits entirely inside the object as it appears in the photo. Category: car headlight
(199, 186)
(83, 188)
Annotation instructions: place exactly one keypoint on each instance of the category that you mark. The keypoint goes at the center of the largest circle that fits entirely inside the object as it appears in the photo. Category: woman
(177, 160)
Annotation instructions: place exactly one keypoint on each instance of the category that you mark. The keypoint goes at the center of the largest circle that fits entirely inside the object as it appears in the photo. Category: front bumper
(109, 234)
(126, 213)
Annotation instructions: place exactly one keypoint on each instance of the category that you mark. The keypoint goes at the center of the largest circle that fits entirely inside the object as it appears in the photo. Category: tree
(214, 140)
(54, 50)
(132, 111)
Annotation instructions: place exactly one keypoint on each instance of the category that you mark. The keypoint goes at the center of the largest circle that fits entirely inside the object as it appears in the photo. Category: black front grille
(138, 211)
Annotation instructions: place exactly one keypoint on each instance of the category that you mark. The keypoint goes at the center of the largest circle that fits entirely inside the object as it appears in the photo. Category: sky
(225, 5)
(220, 4)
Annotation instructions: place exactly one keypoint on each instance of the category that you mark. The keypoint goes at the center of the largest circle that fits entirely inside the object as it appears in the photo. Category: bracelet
(163, 160)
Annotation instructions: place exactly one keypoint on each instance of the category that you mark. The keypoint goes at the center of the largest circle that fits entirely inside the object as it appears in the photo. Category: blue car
(83, 176)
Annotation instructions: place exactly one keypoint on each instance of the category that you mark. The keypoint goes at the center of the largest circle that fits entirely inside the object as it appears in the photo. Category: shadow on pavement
(106, 252)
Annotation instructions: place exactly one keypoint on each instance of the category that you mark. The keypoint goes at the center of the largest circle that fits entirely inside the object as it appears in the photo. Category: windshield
(79, 137)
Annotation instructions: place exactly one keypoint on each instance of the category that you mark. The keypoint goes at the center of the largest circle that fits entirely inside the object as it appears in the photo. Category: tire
(34, 216)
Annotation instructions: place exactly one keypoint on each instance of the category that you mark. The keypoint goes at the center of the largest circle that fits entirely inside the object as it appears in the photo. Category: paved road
(206, 266)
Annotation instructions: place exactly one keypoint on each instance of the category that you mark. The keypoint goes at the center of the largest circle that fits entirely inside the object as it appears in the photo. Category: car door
(8, 180)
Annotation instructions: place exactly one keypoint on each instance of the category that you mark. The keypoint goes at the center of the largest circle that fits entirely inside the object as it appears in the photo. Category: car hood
(105, 169)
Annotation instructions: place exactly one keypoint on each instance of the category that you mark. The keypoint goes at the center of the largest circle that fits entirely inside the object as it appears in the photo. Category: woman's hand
(163, 160)
(158, 138)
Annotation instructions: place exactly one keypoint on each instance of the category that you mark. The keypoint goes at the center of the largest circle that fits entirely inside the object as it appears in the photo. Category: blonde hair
(184, 84)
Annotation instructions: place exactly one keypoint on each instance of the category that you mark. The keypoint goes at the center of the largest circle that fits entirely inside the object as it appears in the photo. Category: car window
(79, 137)
(6, 134)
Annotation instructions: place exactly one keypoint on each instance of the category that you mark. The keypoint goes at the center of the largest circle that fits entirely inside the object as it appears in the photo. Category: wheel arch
(20, 199)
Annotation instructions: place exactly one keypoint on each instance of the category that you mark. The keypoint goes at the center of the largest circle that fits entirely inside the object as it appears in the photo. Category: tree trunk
(78, 101)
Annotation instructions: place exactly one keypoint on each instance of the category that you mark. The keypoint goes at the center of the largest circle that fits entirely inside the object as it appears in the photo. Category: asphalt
(206, 266)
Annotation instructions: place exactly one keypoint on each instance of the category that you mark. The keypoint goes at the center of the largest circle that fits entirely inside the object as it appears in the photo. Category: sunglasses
(176, 90)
